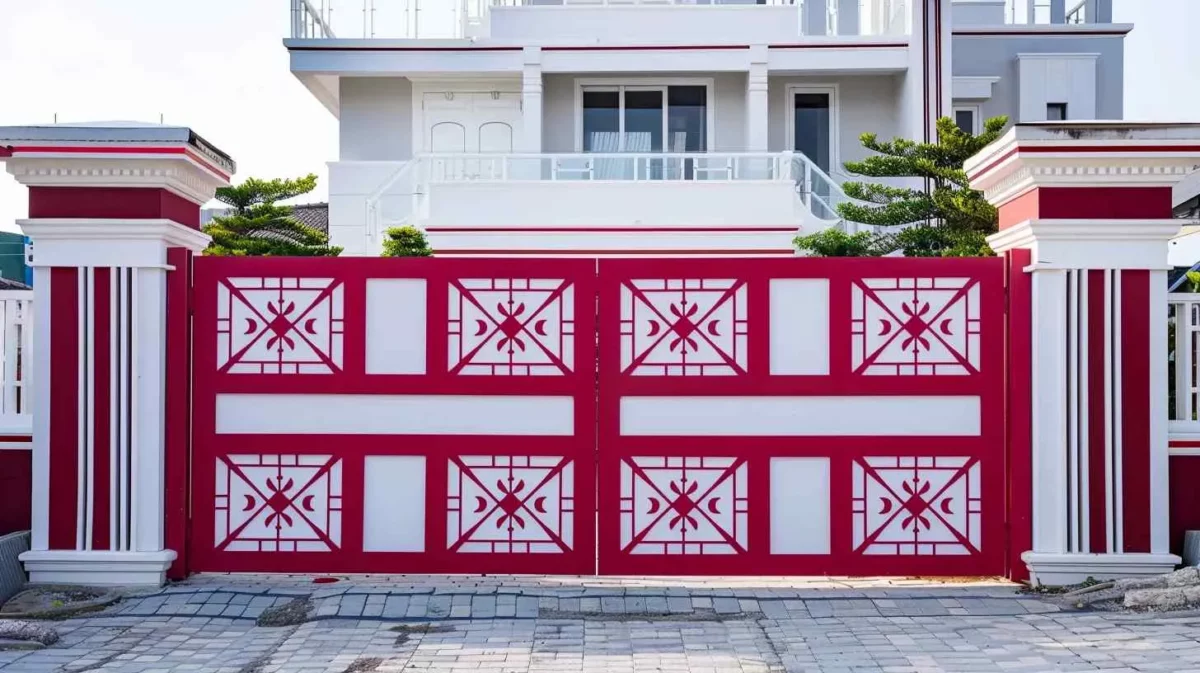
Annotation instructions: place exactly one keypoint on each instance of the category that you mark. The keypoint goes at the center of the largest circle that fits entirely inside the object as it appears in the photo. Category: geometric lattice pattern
(278, 503)
(915, 326)
(923, 506)
(683, 327)
(505, 326)
(279, 325)
(511, 504)
(678, 505)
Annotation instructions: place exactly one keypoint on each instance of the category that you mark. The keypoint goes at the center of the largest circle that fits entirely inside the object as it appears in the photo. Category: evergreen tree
(949, 202)
(259, 227)
(952, 220)
(407, 241)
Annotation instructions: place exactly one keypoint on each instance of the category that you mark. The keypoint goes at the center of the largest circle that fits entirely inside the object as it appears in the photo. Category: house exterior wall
(998, 56)
(376, 119)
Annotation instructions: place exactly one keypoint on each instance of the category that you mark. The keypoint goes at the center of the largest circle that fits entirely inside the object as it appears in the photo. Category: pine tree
(407, 241)
(259, 227)
(952, 219)
(950, 202)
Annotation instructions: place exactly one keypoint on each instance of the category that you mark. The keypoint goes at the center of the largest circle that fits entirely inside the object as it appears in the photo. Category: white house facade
(683, 127)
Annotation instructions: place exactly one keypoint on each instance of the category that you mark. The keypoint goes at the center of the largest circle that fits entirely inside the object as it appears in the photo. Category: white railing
(16, 371)
(454, 19)
(309, 22)
(1184, 355)
(410, 181)
(1078, 13)
(1041, 12)
(616, 166)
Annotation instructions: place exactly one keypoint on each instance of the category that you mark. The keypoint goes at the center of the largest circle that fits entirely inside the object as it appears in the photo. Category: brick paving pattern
(496, 625)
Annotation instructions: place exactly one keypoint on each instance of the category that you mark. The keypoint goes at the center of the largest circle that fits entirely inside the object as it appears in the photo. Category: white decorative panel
(915, 326)
(279, 325)
(511, 504)
(394, 503)
(512, 327)
(684, 327)
(684, 505)
(917, 505)
(800, 326)
(272, 502)
(395, 326)
(395, 414)
(801, 416)
(799, 505)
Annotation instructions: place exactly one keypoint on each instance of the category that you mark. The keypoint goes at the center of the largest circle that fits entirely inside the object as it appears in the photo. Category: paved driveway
(589, 624)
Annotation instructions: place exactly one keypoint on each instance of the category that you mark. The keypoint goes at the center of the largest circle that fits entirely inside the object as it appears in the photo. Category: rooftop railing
(453, 19)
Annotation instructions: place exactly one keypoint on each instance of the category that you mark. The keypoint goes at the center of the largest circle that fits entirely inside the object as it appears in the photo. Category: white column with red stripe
(1085, 221)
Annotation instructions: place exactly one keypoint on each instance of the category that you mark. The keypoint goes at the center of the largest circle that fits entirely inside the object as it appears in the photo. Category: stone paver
(592, 625)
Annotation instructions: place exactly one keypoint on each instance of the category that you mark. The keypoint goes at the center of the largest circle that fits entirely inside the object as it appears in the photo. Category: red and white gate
(381, 415)
(816, 416)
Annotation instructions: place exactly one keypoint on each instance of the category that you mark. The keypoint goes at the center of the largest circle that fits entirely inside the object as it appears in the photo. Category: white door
(471, 123)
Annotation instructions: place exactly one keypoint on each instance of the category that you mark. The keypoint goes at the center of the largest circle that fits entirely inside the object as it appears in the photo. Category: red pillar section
(114, 214)
(1084, 215)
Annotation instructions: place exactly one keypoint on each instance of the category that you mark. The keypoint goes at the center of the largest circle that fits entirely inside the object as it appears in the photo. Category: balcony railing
(403, 198)
(453, 19)
(1051, 12)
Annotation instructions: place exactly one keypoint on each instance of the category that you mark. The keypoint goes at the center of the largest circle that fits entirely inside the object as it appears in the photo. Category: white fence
(16, 371)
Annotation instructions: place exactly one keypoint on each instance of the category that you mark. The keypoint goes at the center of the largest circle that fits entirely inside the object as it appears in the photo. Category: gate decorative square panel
(684, 327)
(684, 505)
(917, 505)
(504, 326)
(511, 504)
(279, 325)
(269, 503)
(916, 326)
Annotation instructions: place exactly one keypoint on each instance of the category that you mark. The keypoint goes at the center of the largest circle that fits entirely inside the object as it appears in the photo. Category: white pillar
(531, 100)
(757, 102)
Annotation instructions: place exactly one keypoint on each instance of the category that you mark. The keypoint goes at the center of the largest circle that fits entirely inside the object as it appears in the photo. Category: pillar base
(98, 568)
(1062, 569)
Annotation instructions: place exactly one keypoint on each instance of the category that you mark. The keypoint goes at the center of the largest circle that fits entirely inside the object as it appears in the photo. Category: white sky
(219, 67)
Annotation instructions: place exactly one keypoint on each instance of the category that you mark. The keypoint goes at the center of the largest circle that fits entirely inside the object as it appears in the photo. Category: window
(965, 118)
(645, 119)
(1056, 112)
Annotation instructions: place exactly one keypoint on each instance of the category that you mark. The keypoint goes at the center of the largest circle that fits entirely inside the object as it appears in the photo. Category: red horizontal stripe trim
(1184, 443)
(16, 438)
(367, 48)
(1041, 33)
(494, 252)
(571, 230)
(645, 47)
(869, 45)
(120, 150)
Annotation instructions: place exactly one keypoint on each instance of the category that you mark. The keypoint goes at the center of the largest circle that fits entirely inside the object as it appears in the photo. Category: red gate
(383, 415)
(817, 416)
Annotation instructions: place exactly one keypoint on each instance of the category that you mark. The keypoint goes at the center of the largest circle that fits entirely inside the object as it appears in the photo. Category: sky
(219, 67)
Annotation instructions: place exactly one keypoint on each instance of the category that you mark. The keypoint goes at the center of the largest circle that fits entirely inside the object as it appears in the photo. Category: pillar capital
(111, 155)
(1048, 169)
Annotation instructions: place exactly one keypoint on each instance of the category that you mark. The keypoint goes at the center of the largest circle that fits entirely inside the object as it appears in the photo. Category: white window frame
(644, 84)
(835, 139)
(976, 112)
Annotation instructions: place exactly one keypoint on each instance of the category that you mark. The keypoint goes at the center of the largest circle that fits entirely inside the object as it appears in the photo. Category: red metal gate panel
(802, 416)
(385, 415)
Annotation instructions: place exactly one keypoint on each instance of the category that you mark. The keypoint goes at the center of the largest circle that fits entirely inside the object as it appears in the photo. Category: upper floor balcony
(538, 21)
(700, 21)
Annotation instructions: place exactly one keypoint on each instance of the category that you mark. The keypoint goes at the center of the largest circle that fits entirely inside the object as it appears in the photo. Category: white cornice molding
(175, 174)
(1053, 170)
(1090, 244)
(108, 242)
